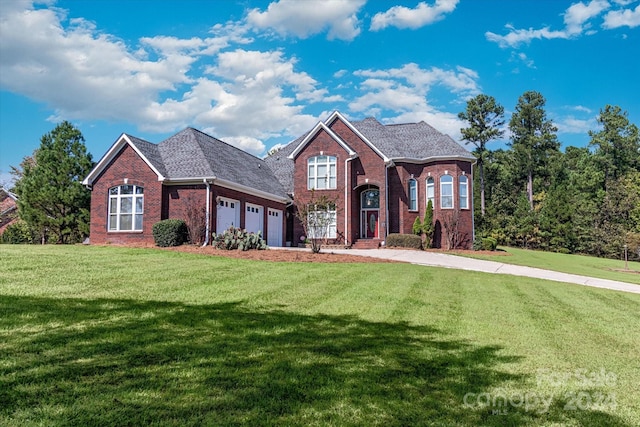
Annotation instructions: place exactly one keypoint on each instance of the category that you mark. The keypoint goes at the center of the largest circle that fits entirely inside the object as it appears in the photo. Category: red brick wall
(321, 143)
(402, 219)
(126, 165)
(160, 202)
(369, 170)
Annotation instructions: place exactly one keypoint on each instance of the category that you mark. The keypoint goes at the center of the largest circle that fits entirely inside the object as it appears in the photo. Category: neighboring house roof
(410, 142)
(191, 155)
(8, 208)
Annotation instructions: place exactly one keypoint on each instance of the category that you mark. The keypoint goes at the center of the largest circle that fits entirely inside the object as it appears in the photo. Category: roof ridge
(221, 141)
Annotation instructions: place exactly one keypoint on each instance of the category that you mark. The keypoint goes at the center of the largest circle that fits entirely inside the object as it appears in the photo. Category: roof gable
(147, 151)
(320, 127)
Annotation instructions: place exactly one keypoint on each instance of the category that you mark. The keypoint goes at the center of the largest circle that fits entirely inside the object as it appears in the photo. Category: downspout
(346, 189)
(473, 214)
(386, 198)
(207, 214)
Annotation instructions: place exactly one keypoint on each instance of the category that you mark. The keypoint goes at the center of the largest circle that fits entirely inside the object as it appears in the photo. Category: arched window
(413, 195)
(321, 173)
(463, 192)
(126, 208)
(431, 192)
(446, 192)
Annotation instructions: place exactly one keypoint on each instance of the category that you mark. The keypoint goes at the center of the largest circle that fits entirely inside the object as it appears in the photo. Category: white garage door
(253, 218)
(228, 214)
(274, 227)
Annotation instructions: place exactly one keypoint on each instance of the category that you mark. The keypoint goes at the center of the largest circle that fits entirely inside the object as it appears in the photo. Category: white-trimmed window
(413, 194)
(322, 224)
(446, 192)
(431, 191)
(321, 173)
(463, 192)
(126, 208)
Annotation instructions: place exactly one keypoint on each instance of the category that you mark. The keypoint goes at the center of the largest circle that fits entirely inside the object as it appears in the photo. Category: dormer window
(321, 173)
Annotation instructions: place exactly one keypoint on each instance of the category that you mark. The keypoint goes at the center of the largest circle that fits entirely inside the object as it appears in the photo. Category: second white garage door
(274, 225)
(254, 218)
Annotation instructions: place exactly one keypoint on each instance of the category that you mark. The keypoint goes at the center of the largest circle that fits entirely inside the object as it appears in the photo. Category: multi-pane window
(126, 207)
(322, 224)
(446, 192)
(413, 195)
(431, 194)
(463, 191)
(321, 173)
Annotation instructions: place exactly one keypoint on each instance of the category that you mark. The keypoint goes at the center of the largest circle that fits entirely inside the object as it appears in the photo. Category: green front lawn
(602, 268)
(118, 336)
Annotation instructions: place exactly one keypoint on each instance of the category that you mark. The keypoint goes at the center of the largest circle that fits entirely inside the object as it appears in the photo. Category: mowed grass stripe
(139, 336)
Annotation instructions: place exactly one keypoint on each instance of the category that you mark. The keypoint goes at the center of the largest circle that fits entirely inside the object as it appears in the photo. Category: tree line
(533, 195)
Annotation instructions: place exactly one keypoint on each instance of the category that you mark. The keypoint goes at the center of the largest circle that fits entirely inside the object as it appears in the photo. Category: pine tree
(51, 197)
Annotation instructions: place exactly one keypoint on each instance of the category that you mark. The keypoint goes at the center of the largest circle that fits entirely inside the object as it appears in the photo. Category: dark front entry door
(370, 224)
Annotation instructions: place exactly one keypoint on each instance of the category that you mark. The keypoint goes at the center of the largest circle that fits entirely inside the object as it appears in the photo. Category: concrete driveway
(461, 263)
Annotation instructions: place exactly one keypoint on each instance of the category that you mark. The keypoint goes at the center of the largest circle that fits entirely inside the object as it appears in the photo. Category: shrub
(237, 238)
(565, 251)
(404, 241)
(489, 244)
(417, 227)
(170, 232)
(18, 233)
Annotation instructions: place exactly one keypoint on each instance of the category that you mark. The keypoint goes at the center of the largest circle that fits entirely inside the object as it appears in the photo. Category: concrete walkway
(451, 261)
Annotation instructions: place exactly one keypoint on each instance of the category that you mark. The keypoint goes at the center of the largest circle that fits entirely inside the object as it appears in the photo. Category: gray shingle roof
(410, 140)
(282, 166)
(151, 152)
(193, 154)
(416, 141)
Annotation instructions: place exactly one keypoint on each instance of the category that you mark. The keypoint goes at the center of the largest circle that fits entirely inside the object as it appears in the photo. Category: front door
(369, 213)
(369, 223)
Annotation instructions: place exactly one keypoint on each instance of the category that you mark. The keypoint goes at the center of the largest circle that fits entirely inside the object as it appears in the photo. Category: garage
(253, 218)
(228, 214)
(274, 227)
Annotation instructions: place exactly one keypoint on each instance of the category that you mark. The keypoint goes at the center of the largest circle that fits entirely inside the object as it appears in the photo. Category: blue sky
(259, 73)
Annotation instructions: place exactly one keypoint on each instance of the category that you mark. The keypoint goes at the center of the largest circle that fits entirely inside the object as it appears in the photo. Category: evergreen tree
(51, 197)
(533, 137)
(485, 117)
(428, 227)
(617, 145)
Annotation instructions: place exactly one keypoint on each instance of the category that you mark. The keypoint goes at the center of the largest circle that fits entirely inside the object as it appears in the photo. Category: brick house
(380, 176)
(191, 176)
(8, 209)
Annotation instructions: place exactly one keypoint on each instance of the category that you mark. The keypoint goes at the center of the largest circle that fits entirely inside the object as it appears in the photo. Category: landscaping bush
(237, 238)
(18, 233)
(404, 241)
(170, 232)
(489, 244)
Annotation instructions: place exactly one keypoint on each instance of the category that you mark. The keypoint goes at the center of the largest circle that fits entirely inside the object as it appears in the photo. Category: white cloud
(83, 73)
(306, 18)
(404, 17)
(516, 37)
(576, 20)
(620, 18)
(577, 15)
(405, 94)
(570, 124)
